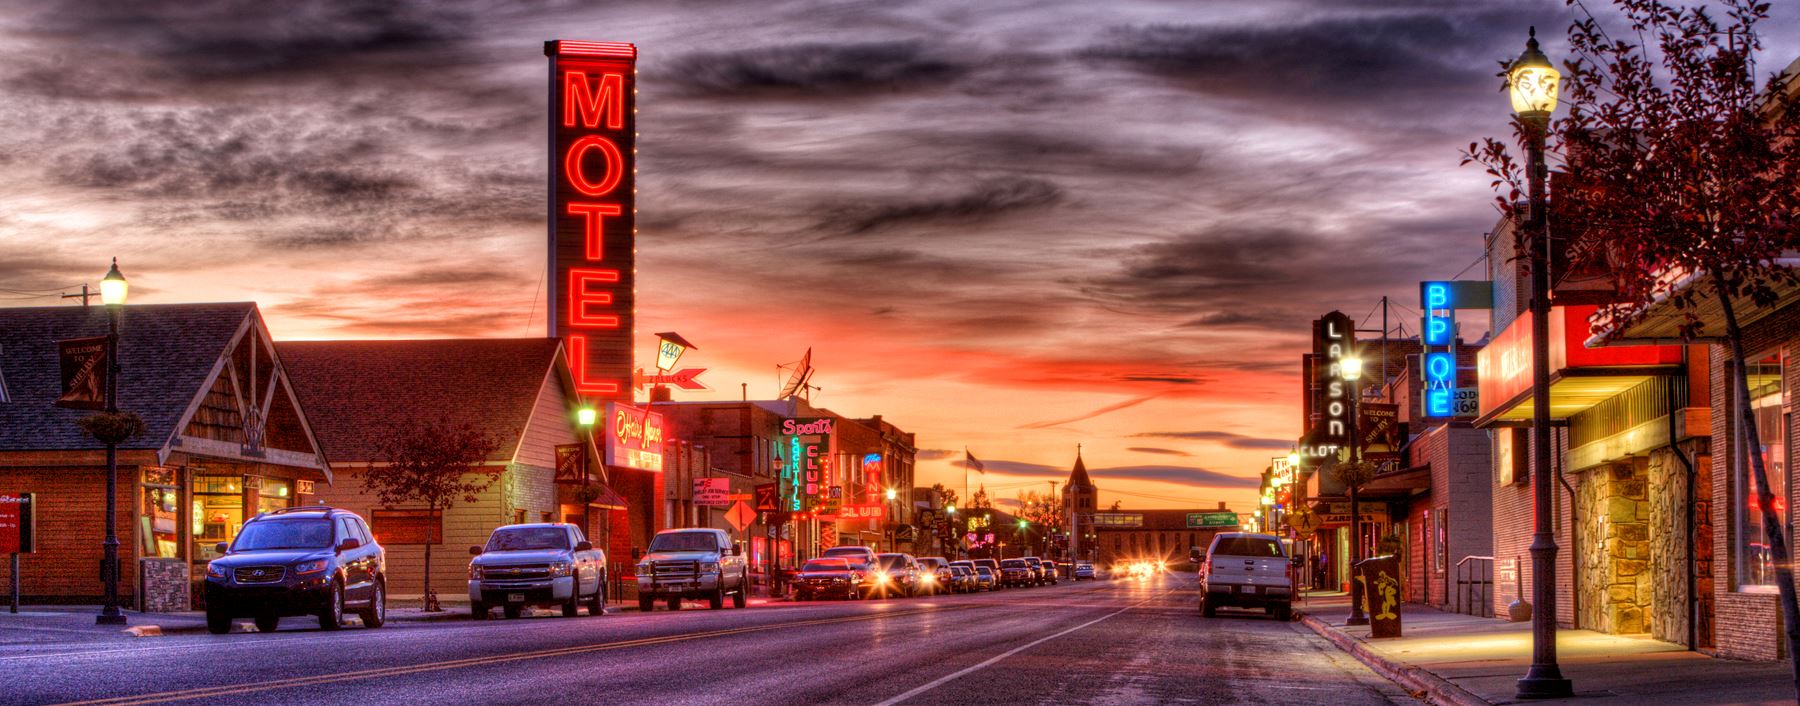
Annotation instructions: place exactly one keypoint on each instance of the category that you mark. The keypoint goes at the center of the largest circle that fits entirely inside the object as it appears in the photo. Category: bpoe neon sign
(1438, 366)
(593, 214)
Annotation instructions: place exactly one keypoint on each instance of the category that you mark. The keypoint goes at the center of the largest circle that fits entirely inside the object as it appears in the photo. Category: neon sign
(634, 437)
(1438, 364)
(593, 215)
(807, 468)
(1334, 338)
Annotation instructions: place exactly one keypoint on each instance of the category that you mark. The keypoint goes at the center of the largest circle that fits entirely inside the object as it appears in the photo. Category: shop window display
(1755, 565)
(218, 512)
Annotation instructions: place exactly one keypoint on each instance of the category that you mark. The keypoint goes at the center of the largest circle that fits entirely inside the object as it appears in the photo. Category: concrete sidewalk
(1449, 658)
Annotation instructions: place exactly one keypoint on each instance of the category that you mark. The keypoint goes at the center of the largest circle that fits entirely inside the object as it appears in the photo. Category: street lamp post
(1532, 82)
(112, 293)
(1350, 369)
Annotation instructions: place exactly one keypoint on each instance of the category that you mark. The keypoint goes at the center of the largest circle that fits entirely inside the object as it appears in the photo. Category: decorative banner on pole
(712, 492)
(18, 524)
(1382, 432)
(83, 363)
(768, 497)
(593, 210)
(571, 463)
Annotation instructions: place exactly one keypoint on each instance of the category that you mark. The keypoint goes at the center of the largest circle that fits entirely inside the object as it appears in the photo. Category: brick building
(1120, 536)
(225, 438)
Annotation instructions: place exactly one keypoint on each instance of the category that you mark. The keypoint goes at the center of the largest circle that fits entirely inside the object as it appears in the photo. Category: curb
(144, 631)
(1420, 683)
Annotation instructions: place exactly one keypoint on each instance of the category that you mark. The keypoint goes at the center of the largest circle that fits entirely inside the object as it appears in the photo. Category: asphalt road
(1109, 642)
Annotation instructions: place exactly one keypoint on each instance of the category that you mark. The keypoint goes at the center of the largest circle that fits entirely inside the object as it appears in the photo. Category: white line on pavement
(940, 681)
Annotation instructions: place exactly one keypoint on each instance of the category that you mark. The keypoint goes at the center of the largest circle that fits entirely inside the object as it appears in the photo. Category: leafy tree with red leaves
(435, 464)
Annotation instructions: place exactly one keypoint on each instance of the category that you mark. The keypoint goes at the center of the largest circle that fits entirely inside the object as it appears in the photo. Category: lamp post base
(114, 618)
(1357, 620)
(1545, 682)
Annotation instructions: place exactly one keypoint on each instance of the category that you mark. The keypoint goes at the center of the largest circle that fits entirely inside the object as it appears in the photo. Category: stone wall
(1616, 580)
(1668, 547)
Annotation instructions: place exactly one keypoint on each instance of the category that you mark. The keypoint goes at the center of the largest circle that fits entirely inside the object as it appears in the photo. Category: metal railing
(1472, 593)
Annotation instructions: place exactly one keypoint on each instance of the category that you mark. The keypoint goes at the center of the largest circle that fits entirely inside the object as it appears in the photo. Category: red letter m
(593, 102)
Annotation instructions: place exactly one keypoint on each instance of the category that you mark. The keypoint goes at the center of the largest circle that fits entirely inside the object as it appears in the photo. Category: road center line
(965, 671)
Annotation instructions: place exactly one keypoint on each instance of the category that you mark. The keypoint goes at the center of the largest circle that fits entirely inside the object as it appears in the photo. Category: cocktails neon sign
(593, 222)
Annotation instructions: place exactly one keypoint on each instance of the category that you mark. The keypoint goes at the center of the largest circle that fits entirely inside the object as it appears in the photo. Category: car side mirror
(349, 544)
(475, 551)
(221, 547)
(584, 546)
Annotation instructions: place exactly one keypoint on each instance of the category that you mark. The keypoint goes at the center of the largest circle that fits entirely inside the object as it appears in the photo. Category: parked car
(962, 580)
(1016, 572)
(1037, 570)
(312, 560)
(898, 573)
(543, 564)
(985, 578)
(693, 563)
(1082, 570)
(994, 567)
(828, 576)
(934, 573)
(857, 554)
(1246, 570)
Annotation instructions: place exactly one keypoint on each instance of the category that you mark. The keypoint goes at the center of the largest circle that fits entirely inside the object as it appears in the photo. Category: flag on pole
(972, 462)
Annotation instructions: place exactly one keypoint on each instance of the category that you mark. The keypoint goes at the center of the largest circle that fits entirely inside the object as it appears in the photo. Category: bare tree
(434, 464)
(1681, 180)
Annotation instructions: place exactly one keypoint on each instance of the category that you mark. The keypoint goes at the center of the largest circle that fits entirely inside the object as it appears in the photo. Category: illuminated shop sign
(806, 468)
(1438, 364)
(593, 222)
(1334, 338)
(634, 437)
(1505, 366)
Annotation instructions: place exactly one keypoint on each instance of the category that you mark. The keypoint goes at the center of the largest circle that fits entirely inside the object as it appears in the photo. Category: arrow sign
(685, 378)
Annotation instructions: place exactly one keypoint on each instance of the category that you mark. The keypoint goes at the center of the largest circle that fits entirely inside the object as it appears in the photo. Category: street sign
(768, 497)
(712, 492)
(740, 515)
(1304, 522)
(18, 523)
(685, 378)
(1212, 519)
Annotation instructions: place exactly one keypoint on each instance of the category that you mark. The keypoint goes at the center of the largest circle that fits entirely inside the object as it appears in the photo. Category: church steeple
(1078, 478)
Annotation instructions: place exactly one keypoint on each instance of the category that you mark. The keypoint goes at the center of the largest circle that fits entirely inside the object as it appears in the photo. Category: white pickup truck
(1246, 570)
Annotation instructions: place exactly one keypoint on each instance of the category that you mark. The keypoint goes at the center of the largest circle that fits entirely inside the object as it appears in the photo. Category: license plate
(515, 598)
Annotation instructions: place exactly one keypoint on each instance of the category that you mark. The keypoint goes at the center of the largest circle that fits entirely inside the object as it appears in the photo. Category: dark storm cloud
(981, 201)
(1158, 451)
(1168, 379)
(1186, 475)
(1236, 441)
(812, 68)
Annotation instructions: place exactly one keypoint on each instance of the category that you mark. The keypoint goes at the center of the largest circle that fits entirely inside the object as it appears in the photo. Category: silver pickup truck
(1246, 570)
(693, 563)
(548, 564)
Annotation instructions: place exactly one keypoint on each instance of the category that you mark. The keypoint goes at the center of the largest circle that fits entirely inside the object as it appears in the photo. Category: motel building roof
(205, 378)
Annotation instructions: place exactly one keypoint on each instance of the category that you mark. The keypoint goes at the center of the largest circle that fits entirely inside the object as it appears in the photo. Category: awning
(1408, 482)
(1661, 322)
(1573, 390)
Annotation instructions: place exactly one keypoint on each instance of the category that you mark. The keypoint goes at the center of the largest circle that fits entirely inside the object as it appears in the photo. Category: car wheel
(674, 602)
(597, 604)
(1284, 612)
(478, 611)
(331, 617)
(646, 604)
(512, 612)
(742, 597)
(217, 622)
(572, 607)
(716, 601)
(376, 614)
(267, 623)
(1206, 609)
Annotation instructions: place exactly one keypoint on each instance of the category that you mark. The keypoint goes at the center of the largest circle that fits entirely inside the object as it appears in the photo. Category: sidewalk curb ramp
(1420, 683)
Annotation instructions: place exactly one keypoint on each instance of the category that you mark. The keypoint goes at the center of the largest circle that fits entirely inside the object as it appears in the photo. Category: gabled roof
(167, 354)
(355, 390)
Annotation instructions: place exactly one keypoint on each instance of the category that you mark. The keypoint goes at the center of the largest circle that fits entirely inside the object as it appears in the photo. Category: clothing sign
(18, 520)
(83, 363)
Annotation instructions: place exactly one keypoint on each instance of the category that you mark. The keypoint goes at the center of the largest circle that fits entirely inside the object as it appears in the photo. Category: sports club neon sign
(593, 214)
(807, 470)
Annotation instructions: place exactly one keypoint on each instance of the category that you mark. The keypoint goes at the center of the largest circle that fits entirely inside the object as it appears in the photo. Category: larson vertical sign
(593, 221)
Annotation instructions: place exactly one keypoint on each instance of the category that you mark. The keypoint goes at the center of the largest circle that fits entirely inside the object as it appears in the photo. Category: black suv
(313, 560)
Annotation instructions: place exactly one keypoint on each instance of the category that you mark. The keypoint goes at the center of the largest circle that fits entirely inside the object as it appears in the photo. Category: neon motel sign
(593, 214)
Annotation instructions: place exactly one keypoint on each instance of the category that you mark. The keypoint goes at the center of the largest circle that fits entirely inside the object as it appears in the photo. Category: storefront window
(218, 513)
(1755, 566)
(274, 495)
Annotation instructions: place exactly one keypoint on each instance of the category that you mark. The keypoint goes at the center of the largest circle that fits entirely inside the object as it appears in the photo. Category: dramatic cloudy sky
(1011, 226)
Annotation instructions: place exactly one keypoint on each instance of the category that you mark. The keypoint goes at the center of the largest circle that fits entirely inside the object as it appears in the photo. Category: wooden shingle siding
(465, 524)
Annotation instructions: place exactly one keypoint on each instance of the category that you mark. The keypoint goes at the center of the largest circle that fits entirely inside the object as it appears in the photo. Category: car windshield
(1013, 564)
(314, 533)
(958, 570)
(850, 552)
(1247, 546)
(826, 565)
(512, 539)
(685, 542)
(891, 561)
(983, 570)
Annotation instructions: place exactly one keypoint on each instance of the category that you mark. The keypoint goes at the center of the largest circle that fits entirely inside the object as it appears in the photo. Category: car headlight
(475, 571)
(310, 567)
(709, 567)
(928, 578)
(214, 571)
(560, 568)
(643, 567)
(883, 578)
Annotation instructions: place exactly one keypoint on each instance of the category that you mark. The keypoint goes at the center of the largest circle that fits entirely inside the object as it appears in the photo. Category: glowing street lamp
(113, 289)
(892, 494)
(1533, 82)
(586, 417)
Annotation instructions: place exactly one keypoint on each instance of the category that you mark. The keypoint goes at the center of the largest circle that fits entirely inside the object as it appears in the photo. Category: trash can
(1380, 579)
